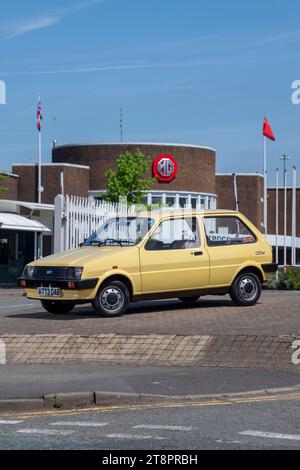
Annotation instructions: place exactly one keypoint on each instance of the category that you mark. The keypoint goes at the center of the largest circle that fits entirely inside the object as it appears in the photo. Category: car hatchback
(173, 254)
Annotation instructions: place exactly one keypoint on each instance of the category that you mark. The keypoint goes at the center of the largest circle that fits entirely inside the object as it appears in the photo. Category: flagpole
(294, 216)
(265, 188)
(39, 129)
(285, 219)
(40, 169)
(284, 158)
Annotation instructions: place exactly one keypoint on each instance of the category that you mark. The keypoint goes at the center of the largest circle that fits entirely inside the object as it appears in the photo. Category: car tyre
(112, 299)
(58, 307)
(189, 300)
(246, 289)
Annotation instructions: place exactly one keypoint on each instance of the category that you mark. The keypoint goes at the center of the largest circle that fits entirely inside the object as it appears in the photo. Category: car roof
(165, 212)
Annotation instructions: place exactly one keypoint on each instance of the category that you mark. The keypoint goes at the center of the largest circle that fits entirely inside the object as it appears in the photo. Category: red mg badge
(165, 168)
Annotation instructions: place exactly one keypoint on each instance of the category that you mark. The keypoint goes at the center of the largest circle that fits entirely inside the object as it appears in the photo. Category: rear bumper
(270, 267)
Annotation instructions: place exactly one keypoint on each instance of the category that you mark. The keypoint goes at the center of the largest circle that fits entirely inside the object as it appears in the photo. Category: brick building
(187, 176)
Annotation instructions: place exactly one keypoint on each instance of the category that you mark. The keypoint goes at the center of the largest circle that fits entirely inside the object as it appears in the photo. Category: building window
(182, 201)
(170, 200)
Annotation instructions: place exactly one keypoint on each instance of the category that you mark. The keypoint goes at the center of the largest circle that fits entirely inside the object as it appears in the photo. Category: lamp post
(294, 216)
(277, 212)
(284, 158)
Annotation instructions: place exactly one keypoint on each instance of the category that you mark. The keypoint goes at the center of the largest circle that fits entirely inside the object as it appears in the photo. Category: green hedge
(288, 280)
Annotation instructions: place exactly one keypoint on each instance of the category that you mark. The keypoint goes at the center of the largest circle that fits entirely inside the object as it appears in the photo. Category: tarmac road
(250, 423)
(34, 381)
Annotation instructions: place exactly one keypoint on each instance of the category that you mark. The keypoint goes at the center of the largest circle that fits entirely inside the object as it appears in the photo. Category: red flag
(267, 130)
(39, 116)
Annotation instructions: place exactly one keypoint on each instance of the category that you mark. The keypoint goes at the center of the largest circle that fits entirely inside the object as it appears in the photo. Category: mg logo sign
(165, 168)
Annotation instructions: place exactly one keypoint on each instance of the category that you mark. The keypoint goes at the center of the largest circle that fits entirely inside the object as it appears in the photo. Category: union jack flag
(39, 116)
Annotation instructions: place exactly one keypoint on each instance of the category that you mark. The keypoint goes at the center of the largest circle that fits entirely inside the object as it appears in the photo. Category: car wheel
(246, 289)
(189, 300)
(57, 307)
(112, 299)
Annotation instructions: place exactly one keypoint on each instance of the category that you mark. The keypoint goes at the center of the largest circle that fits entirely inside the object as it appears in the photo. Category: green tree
(130, 178)
(2, 179)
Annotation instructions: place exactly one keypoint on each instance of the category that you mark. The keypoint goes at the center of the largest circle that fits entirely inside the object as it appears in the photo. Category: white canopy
(9, 221)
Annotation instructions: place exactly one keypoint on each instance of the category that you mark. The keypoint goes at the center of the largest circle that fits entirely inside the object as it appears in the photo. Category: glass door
(16, 250)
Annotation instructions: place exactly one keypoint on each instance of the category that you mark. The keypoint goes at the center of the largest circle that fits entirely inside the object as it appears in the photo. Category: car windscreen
(120, 231)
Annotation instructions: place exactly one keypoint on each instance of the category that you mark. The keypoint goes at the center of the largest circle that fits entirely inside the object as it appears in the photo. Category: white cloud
(17, 28)
(12, 29)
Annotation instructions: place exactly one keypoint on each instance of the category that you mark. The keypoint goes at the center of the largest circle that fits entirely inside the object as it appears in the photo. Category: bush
(288, 280)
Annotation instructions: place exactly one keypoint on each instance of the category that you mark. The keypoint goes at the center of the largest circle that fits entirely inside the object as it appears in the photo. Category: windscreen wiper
(92, 242)
(112, 240)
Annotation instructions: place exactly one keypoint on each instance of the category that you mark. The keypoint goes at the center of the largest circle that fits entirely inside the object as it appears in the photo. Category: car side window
(222, 231)
(175, 234)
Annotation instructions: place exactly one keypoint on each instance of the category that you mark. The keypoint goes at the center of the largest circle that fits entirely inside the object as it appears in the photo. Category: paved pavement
(34, 381)
(277, 313)
(252, 423)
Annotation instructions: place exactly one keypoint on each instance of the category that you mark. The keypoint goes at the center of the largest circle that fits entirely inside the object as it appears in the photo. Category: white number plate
(49, 291)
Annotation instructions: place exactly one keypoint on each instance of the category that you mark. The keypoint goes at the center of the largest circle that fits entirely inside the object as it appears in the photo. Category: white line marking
(6, 421)
(133, 436)
(45, 431)
(78, 423)
(166, 428)
(271, 435)
(15, 306)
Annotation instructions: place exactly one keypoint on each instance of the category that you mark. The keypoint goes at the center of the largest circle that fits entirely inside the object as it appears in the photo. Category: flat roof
(7, 173)
(282, 187)
(10, 221)
(9, 205)
(167, 144)
(54, 164)
(240, 174)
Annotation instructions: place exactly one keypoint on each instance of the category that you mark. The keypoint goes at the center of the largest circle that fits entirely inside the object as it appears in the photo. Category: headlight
(74, 273)
(29, 271)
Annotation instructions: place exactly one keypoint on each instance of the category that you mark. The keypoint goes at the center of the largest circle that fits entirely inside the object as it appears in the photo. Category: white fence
(76, 218)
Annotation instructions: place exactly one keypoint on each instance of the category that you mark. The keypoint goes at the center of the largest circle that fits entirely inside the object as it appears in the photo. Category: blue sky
(188, 71)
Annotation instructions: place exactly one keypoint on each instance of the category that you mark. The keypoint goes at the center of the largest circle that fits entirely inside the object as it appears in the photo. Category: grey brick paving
(276, 314)
(211, 333)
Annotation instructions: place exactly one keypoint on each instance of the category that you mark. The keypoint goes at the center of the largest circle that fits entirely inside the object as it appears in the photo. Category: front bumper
(78, 291)
(64, 285)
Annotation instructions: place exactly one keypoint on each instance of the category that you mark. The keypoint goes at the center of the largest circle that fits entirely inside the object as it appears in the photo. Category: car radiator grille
(51, 272)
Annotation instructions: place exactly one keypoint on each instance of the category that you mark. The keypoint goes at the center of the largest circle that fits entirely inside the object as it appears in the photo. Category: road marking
(78, 423)
(271, 435)
(220, 441)
(45, 431)
(133, 436)
(15, 306)
(184, 404)
(7, 421)
(166, 428)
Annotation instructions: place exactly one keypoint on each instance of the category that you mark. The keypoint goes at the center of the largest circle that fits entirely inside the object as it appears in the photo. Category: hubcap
(248, 288)
(111, 299)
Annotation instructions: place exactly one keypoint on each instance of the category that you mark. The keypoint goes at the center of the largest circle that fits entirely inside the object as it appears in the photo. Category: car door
(174, 258)
(230, 244)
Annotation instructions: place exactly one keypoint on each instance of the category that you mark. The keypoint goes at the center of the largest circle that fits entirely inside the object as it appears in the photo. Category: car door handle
(197, 253)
